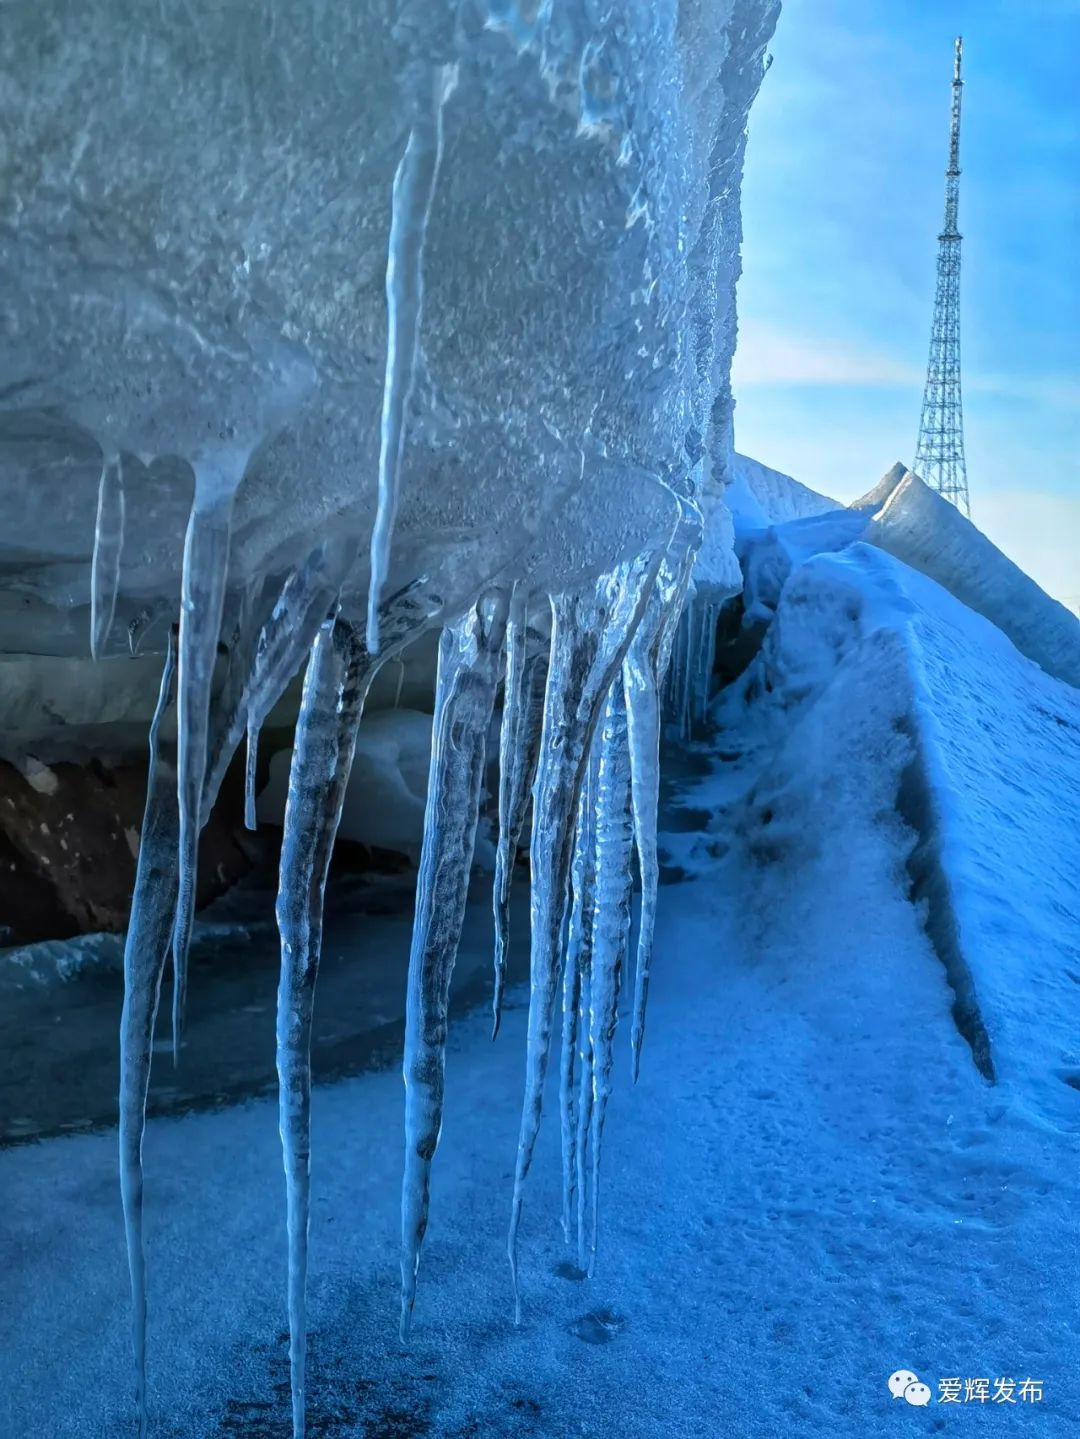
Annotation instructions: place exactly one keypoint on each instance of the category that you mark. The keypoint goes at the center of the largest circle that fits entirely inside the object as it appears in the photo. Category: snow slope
(918, 526)
(990, 784)
(759, 496)
(904, 517)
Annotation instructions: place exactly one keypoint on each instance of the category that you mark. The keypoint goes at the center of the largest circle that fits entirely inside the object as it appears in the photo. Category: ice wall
(326, 326)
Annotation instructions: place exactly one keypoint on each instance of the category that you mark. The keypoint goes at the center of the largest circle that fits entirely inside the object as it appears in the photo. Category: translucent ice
(414, 186)
(369, 332)
(610, 926)
(145, 949)
(335, 686)
(519, 747)
(470, 655)
(590, 634)
(108, 543)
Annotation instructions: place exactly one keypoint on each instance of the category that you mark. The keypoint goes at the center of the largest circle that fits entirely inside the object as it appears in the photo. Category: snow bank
(759, 496)
(990, 745)
(907, 519)
(918, 526)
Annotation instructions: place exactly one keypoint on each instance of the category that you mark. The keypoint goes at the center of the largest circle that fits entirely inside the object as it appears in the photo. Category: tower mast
(939, 454)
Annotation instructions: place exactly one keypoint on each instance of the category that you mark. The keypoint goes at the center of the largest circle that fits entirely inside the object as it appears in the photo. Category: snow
(904, 517)
(759, 496)
(918, 526)
(994, 749)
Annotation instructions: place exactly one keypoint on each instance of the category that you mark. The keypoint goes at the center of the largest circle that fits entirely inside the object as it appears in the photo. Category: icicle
(702, 626)
(590, 634)
(686, 664)
(578, 959)
(585, 1091)
(250, 767)
(108, 543)
(152, 908)
(414, 188)
(567, 1082)
(206, 560)
(611, 898)
(470, 654)
(644, 670)
(519, 746)
(400, 682)
(267, 658)
(336, 684)
(335, 687)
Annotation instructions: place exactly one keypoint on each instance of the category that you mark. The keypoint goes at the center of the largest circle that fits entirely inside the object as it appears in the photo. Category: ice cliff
(326, 327)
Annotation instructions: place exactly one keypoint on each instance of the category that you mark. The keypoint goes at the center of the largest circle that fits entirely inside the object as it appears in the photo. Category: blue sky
(842, 203)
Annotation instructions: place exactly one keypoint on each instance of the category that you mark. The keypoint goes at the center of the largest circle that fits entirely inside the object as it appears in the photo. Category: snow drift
(904, 517)
(983, 745)
(918, 526)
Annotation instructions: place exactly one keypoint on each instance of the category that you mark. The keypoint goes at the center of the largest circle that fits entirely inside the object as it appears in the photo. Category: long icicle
(251, 765)
(206, 560)
(519, 747)
(578, 950)
(413, 191)
(644, 670)
(612, 896)
(590, 634)
(268, 656)
(108, 544)
(469, 661)
(585, 1094)
(153, 905)
(336, 684)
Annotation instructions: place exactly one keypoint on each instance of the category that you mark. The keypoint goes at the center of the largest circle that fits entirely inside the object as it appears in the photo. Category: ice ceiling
(323, 325)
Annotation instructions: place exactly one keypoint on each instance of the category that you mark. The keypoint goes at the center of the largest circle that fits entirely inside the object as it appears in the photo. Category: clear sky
(842, 203)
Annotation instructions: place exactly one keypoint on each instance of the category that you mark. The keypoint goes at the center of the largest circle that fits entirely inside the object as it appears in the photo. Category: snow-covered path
(810, 1188)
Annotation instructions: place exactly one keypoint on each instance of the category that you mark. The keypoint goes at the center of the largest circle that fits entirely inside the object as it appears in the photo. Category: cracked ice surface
(369, 311)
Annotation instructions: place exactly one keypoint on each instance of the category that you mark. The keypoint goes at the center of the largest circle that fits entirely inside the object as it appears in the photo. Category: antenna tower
(939, 455)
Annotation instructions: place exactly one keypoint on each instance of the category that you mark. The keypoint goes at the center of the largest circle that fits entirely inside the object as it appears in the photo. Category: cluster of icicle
(582, 675)
(690, 673)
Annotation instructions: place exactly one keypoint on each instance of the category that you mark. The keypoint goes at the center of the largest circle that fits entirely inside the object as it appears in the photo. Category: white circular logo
(903, 1384)
(899, 1381)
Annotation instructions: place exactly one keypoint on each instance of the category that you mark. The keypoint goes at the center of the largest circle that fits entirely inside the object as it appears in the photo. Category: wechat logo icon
(905, 1385)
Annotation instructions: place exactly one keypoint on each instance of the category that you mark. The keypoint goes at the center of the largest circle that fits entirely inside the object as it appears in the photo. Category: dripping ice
(443, 386)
